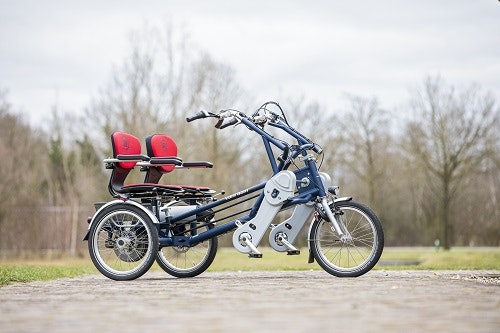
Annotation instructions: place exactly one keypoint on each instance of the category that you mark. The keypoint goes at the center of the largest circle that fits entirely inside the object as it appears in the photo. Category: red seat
(126, 155)
(160, 146)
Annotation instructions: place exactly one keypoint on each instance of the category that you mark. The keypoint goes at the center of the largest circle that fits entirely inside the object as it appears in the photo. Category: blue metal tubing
(303, 141)
(300, 138)
(220, 202)
(263, 133)
(267, 138)
(228, 226)
(270, 154)
(301, 199)
(214, 232)
(313, 168)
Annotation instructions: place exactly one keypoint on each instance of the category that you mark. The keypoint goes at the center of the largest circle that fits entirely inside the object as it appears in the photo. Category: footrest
(293, 252)
(255, 255)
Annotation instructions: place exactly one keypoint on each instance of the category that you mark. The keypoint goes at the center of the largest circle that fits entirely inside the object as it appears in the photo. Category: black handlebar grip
(198, 115)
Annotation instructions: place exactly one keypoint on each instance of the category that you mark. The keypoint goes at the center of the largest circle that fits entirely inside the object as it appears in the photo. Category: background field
(228, 259)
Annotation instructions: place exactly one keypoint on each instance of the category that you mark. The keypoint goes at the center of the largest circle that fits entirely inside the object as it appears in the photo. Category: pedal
(246, 240)
(281, 239)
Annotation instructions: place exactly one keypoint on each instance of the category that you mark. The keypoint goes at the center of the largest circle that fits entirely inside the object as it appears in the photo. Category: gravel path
(305, 301)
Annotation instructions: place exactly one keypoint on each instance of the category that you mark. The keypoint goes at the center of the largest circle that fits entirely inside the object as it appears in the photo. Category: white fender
(116, 202)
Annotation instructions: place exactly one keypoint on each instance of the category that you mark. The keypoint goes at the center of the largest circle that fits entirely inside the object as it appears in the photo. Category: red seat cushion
(161, 145)
(125, 144)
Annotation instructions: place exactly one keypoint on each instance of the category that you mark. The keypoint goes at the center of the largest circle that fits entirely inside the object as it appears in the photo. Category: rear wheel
(185, 261)
(123, 242)
(353, 256)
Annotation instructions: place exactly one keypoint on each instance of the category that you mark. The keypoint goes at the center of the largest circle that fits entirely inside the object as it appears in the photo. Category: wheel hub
(123, 244)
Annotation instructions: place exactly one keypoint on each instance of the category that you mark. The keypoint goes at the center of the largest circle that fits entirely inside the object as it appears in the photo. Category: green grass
(228, 259)
(464, 258)
(39, 270)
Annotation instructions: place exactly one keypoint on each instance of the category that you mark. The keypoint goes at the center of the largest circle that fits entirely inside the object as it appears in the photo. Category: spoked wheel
(352, 256)
(123, 242)
(184, 261)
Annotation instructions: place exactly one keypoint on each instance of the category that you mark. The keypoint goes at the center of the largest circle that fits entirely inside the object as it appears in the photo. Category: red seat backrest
(125, 144)
(161, 145)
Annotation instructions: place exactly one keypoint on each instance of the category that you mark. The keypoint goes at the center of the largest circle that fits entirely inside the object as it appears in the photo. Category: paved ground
(306, 301)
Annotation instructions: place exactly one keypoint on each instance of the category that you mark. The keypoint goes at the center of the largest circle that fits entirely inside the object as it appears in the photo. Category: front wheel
(353, 256)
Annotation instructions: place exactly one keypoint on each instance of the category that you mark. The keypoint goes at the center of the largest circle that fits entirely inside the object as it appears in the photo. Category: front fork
(337, 225)
(334, 217)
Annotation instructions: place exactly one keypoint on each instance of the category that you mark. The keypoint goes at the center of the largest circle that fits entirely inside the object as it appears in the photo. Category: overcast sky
(64, 51)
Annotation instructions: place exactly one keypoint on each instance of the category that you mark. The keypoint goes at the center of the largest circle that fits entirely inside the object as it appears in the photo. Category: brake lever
(221, 124)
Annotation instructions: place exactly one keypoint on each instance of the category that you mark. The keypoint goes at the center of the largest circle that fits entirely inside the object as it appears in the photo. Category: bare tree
(213, 87)
(147, 93)
(365, 132)
(449, 138)
(75, 180)
(164, 79)
(22, 180)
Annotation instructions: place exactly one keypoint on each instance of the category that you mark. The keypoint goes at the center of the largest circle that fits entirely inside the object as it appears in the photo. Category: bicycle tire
(123, 242)
(185, 262)
(350, 258)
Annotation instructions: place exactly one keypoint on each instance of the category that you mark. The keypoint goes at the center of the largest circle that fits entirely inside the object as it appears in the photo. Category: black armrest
(197, 165)
(165, 160)
(136, 157)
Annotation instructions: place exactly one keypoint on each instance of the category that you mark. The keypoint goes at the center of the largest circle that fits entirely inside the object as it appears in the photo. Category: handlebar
(199, 115)
(259, 118)
(235, 117)
(310, 146)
